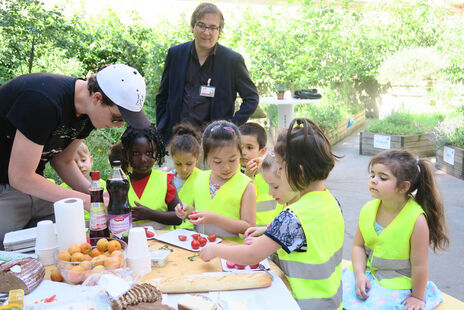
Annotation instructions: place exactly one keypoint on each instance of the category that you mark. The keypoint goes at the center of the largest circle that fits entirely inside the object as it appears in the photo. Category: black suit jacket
(230, 76)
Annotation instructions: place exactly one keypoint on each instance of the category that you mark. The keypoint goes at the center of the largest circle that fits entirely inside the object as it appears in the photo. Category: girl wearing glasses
(224, 198)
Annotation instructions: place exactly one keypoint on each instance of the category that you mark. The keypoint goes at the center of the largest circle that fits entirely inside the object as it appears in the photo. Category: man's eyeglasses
(203, 27)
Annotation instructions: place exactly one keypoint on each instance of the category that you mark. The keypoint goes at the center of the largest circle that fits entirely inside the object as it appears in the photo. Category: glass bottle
(98, 225)
(119, 211)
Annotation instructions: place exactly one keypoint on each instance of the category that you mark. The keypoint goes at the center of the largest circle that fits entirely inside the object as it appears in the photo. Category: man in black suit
(201, 78)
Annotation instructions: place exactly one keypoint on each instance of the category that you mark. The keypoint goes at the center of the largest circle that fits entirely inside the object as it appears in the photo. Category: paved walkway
(348, 182)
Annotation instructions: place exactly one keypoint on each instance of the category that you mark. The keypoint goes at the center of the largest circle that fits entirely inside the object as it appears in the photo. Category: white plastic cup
(46, 256)
(138, 245)
(141, 265)
(45, 236)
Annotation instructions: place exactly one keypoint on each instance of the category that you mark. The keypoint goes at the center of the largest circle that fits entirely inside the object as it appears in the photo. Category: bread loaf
(143, 292)
(150, 306)
(25, 273)
(206, 283)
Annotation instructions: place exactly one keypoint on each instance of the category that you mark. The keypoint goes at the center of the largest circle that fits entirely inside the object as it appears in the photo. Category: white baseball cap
(126, 88)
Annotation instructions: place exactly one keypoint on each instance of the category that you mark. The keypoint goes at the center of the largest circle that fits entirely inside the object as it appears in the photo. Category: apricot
(112, 262)
(98, 269)
(95, 252)
(85, 248)
(102, 245)
(116, 253)
(76, 274)
(56, 276)
(77, 257)
(74, 248)
(114, 245)
(64, 255)
(87, 257)
(98, 260)
(86, 265)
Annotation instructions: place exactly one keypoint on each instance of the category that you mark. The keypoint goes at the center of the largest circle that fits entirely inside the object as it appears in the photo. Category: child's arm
(141, 212)
(358, 256)
(419, 264)
(234, 226)
(241, 254)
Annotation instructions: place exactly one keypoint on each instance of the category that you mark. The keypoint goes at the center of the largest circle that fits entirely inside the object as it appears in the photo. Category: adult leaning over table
(44, 118)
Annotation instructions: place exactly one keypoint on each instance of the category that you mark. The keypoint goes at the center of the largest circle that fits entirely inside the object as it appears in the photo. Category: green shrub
(450, 131)
(327, 116)
(400, 123)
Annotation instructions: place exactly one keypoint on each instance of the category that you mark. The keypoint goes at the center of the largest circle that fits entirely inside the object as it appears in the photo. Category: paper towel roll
(70, 223)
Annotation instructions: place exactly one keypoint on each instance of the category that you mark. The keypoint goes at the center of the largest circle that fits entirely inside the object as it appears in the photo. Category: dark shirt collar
(193, 50)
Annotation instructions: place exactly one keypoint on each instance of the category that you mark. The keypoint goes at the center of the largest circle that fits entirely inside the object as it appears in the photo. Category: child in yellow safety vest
(224, 198)
(390, 247)
(184, 149)
(281, 192)
(308, 234)
(84, 162)
(254, 148)
(152, 194)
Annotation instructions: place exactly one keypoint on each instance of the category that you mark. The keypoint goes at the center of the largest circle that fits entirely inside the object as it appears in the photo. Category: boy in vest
(254, 140)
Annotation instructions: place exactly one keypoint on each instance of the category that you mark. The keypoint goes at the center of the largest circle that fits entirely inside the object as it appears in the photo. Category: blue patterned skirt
(382, 298)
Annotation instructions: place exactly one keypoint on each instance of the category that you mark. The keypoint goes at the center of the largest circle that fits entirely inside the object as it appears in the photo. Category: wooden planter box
(371, 143)
(451, 160)
(342, 131)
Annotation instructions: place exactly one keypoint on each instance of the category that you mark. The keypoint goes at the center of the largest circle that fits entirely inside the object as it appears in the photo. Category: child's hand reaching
(140, 212)
(202, 217)
(252, 167)
(183, 210)
(413, 303)
(208, 252)
(362, 286)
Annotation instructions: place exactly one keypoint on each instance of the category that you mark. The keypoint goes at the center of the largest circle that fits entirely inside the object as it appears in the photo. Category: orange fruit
(85, 248)
(116, 253)
(98, 269)
(102, 245)
(112, 262)
(76, 274)
(64, 255)
(86, 265)
(114, 245)
(95, 252)
(77, 257)
(73, 249)
(99, 260)
(56, 276)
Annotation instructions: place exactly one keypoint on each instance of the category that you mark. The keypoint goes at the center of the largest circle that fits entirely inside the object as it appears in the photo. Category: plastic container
(159, 257)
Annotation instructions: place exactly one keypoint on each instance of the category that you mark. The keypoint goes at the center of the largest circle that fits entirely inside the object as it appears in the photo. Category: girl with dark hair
(390, 249)
(152, 194)
(225, 199)
(308, 234)
(184, 149)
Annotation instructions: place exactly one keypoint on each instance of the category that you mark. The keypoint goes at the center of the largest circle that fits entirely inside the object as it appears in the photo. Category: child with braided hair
(152, 194)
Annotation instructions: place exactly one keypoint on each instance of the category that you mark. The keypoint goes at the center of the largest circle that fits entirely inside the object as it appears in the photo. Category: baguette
(207, 283)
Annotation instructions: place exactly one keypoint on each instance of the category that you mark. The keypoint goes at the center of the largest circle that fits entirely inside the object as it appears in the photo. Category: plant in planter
(280, 89)
(400, 131)
(449, 136)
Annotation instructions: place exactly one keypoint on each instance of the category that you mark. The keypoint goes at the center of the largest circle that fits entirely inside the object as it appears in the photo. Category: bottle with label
(119, 210)
(98, 224)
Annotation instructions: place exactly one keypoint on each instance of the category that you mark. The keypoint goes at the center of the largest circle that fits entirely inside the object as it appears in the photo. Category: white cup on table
(45, 242)
(138, 255)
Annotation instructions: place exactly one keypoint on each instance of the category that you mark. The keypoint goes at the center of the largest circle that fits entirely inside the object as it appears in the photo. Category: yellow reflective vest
(226, 202)
(388, 254)
(153, 197)
(265, 203)
(315, 275)
(186, 195)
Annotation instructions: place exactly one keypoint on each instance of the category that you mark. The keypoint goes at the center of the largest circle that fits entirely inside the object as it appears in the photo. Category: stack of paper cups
(138, 255)
(45, 242)
(70, 223)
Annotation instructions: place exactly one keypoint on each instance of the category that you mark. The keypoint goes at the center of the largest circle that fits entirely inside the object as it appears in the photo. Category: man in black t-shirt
(44, 118)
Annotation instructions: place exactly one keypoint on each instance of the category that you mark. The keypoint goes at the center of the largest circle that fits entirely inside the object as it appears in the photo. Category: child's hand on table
(208, 252)
(413, 303)
(140, 212)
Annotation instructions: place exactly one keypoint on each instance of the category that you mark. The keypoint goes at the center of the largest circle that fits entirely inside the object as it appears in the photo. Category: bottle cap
(95, 175)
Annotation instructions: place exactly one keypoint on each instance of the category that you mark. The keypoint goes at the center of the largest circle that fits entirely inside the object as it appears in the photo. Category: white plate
(172, 237)
(264, 262)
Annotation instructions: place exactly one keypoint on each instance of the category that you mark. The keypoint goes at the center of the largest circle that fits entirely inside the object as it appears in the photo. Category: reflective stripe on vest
(268, 205)
(214, 229)
(322, 303)
(153, 196)
(315, 274)
(227, 200)
(312, 272)
(388, 254)
(265, 203)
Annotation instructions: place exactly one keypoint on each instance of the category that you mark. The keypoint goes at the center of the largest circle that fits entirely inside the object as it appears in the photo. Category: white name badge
(207, 91)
